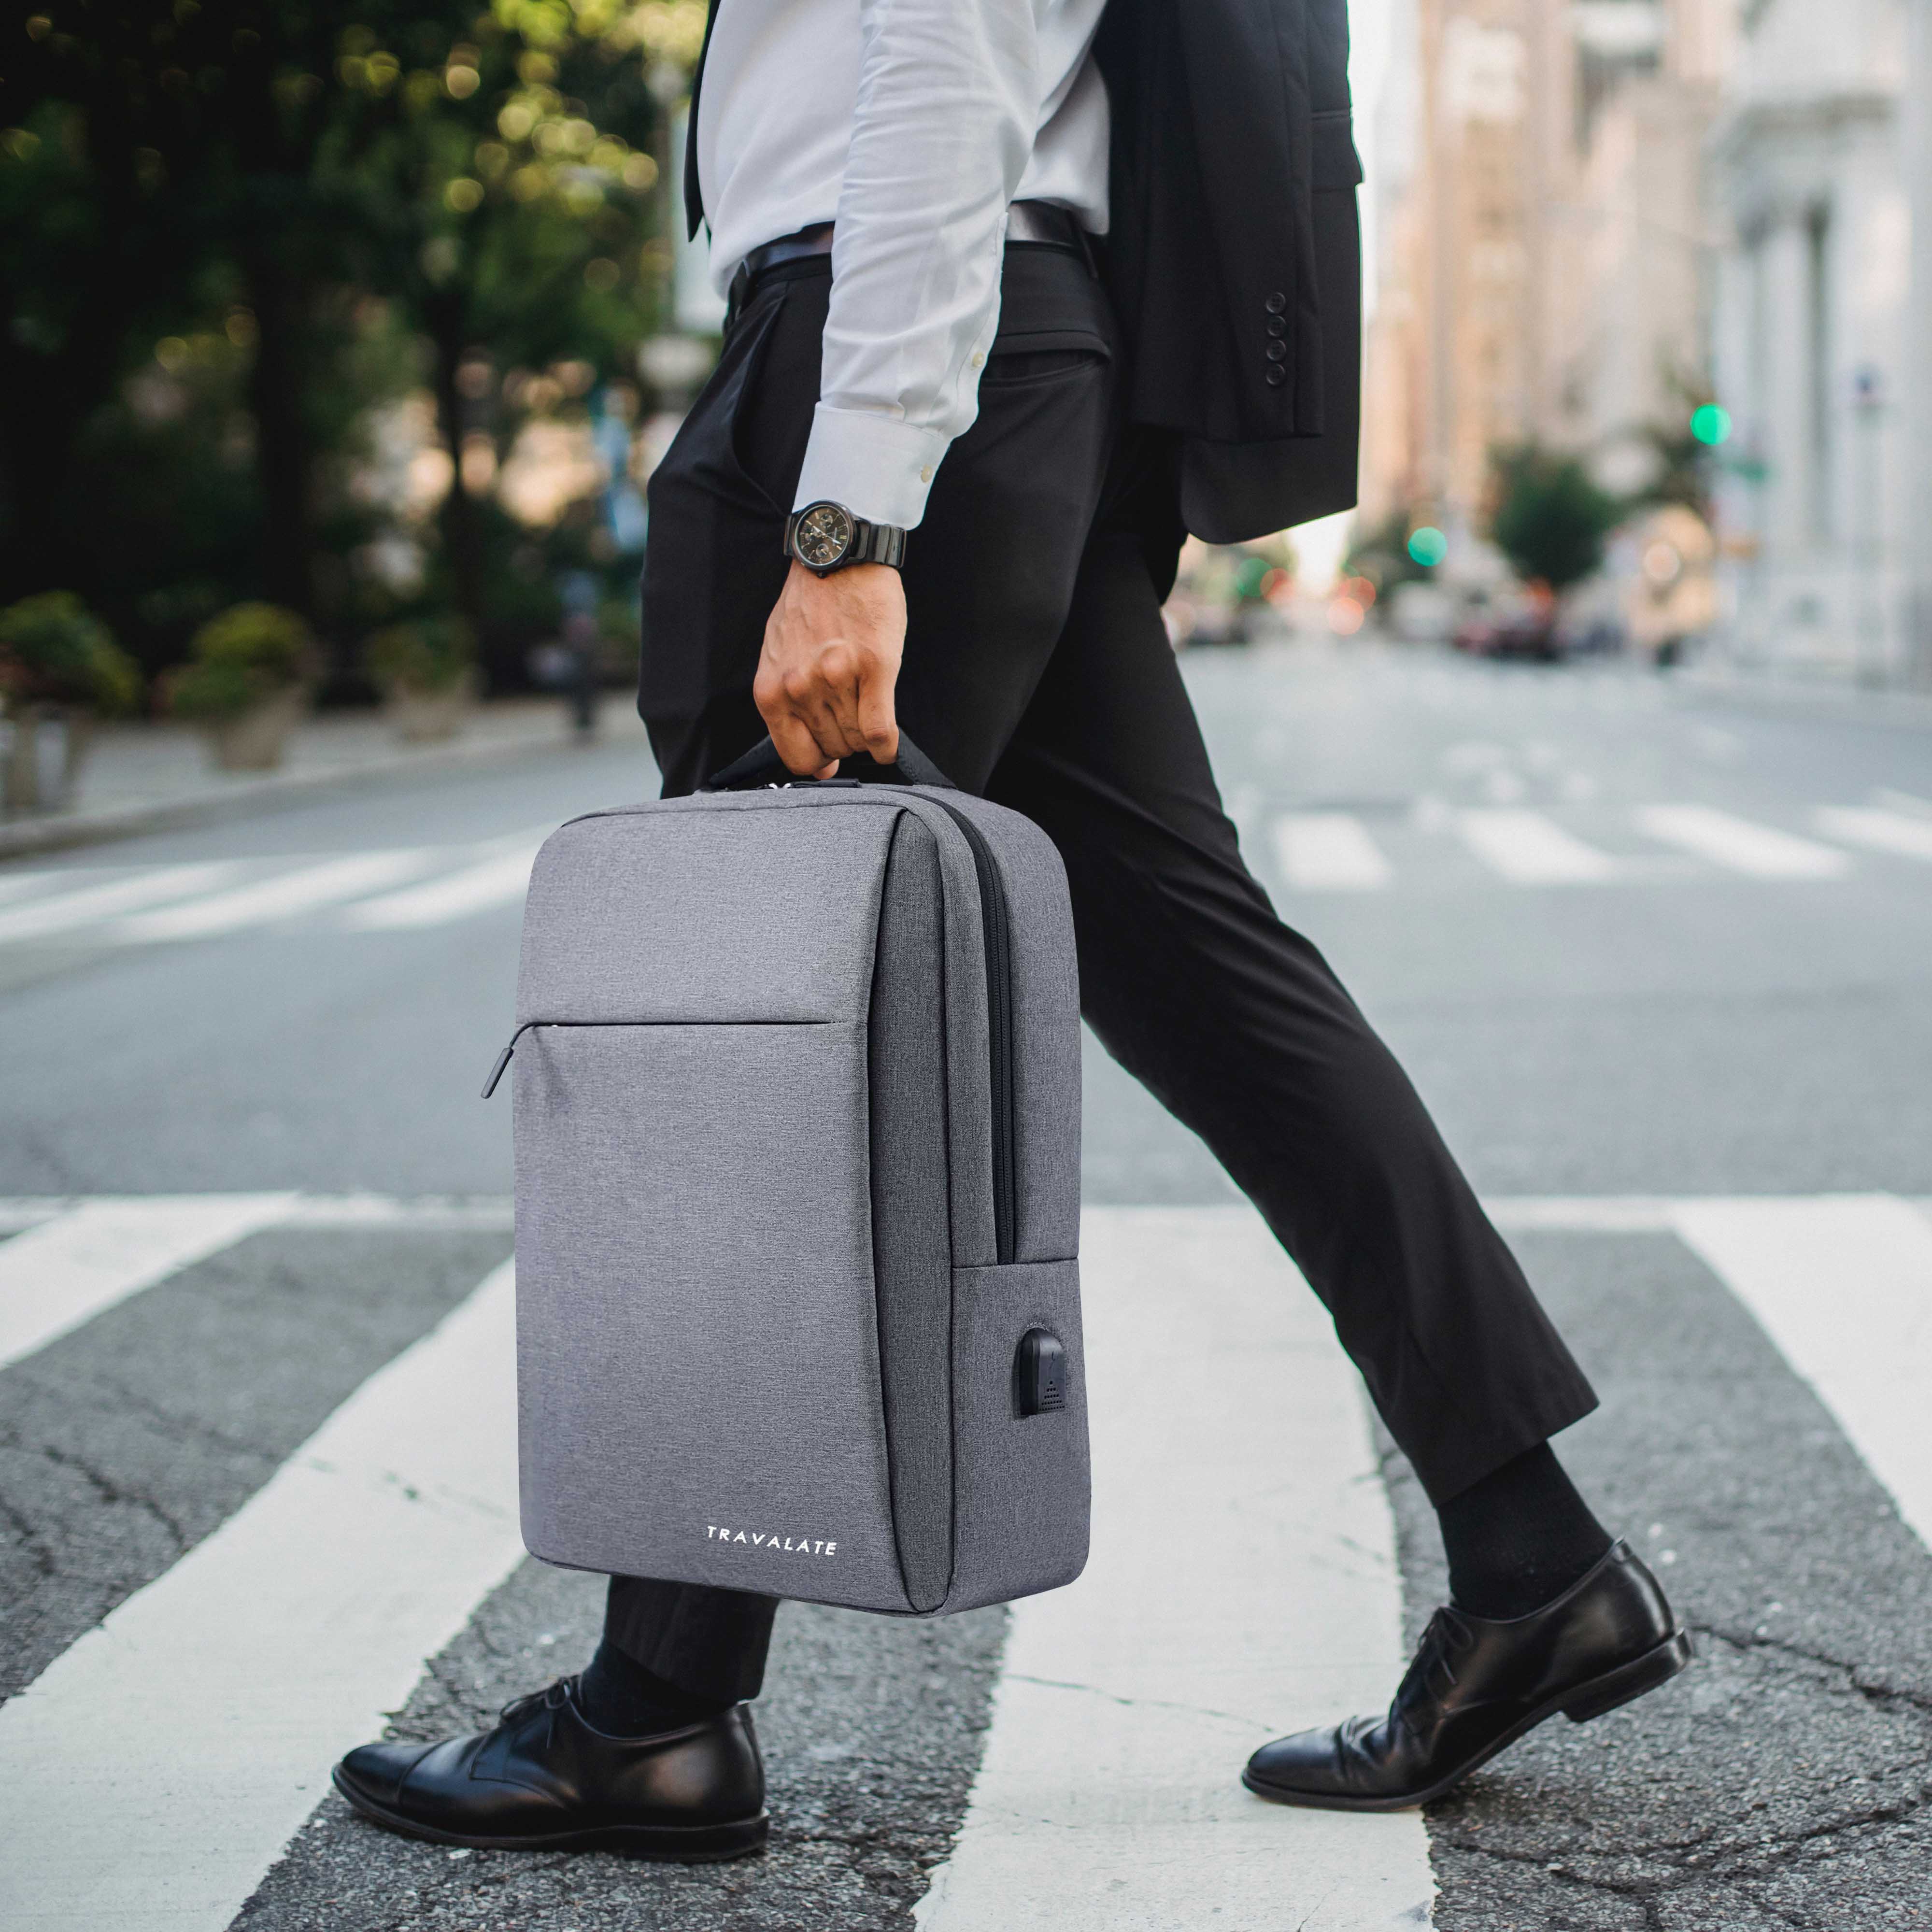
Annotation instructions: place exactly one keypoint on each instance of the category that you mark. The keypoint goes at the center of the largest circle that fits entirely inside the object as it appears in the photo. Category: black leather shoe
(1476, 1685)
(543, 1781)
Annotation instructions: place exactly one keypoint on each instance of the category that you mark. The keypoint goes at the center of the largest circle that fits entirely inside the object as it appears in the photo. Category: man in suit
(1019, 294)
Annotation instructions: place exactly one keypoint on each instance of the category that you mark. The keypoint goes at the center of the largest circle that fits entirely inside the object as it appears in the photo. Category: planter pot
(422, 717)
(253, 741)
(46, 746)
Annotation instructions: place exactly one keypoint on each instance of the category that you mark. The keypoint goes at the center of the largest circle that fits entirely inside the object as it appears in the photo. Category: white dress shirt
(914, 124)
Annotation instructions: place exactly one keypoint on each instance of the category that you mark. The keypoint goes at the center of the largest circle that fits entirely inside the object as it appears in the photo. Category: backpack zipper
(996, 919)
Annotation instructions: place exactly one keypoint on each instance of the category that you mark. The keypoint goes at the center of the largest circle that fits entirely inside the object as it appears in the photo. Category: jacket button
(1277, 303)
(1277, 325)
(1277, 351)
(1277, 375)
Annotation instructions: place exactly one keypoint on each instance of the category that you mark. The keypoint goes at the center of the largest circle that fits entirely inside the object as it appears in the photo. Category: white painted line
(1328, 852)
(1582, 1214)
(1891, 832)
(483, 1212)
(155, 1770)
(502, 879)
(1527, 849)
(67, 1270)
(1739, 845)
(283, 897)
(91, 905)
(1242, 1584)
(28, 1211)
(20, 885)
(1843, 1285)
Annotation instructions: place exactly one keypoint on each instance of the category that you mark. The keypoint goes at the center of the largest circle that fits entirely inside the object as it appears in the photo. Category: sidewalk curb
(64, 830)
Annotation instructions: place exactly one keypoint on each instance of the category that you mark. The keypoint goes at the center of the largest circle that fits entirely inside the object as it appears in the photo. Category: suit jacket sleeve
(1234, 177)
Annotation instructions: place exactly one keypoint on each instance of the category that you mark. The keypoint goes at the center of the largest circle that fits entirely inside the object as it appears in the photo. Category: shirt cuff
(879, 466)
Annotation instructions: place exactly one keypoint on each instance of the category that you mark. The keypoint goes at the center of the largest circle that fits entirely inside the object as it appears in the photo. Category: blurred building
(1812, 333)
(1544, 253)
(1638, 271)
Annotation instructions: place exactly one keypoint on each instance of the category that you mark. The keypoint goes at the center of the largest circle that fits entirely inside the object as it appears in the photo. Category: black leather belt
(1043, 222)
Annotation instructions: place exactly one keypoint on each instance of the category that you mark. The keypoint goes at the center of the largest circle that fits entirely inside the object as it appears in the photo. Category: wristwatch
(826, 537)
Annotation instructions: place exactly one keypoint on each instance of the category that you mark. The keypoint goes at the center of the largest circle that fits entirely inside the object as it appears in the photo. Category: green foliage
(250, 653)
(54, 650)
(1551, 518)
(229, 229)
(430, 654)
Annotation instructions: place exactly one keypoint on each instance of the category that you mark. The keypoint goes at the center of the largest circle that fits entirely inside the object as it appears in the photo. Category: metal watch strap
(877, 543)
(871, 543)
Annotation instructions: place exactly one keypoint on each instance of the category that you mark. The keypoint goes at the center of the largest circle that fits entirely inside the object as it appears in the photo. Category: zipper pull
(502, 1061)
(503, 1058)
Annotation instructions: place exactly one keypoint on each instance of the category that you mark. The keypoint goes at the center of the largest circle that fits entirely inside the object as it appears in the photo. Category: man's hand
(825, 681)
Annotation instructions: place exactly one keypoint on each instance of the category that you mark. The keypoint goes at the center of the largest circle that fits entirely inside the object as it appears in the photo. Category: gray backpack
(798, 1195)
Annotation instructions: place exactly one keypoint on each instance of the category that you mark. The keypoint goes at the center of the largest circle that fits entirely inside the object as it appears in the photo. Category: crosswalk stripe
(1127, 1702)
(1882, 831)
(67, 1270)
(90, 904)
(1530, 850)
(1328, 851)
(157, 1768)
(1740, 845)
(1843, 1286)
(20, 885)
(282, 897)
(501, 880)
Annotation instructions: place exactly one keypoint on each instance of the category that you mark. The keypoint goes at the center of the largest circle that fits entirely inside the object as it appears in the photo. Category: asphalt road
(1636, 946)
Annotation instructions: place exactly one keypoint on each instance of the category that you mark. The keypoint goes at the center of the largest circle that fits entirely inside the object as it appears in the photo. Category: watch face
(824, 536)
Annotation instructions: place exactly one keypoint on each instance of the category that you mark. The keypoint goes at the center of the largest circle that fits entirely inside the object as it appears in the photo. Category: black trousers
(1037, 671)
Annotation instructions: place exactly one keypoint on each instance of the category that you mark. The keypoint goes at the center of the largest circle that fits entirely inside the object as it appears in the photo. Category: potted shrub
(247, 684)
(426, 671)
(58, 661)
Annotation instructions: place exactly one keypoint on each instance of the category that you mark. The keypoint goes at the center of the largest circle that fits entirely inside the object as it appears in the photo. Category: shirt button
(979, 362)
(925, 475)
(1277, 375)
(1277, 303)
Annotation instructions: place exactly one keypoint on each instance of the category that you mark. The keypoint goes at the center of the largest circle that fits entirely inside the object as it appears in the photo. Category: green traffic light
(1710, 425)
(1428, 546)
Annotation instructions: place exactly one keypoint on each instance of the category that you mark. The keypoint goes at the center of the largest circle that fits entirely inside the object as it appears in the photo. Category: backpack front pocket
(697, 1338)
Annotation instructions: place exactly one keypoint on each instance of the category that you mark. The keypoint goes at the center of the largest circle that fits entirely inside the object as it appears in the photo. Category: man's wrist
(827, 536)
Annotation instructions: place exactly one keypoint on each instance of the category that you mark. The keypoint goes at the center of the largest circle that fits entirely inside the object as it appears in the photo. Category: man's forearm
(948, 95)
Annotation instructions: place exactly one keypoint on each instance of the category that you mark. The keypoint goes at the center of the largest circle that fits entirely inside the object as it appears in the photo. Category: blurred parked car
(1519, 627)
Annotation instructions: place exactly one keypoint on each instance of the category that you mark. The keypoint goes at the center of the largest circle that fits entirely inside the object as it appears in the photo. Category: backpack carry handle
(762, 766)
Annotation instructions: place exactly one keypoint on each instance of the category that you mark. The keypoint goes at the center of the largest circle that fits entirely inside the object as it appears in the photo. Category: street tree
(1550, 518)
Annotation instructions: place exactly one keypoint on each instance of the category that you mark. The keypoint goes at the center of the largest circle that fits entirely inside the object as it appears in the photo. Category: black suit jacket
(1234, 258)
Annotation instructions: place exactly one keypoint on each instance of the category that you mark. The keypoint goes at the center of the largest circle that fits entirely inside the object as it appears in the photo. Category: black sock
(1519, 1538)
(623, 1700)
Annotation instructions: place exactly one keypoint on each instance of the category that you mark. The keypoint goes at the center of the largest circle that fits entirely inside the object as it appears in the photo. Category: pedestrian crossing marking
(1329, 851)
(1315, 850)
(1891, 832)
(1107, 1796)
(1739, 845)
(73, 1266)
(1527, 849)
(1843, 1286)
(157, 1768)
(63, 912)
(502, 879)
(282, 897)
(18, 885)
